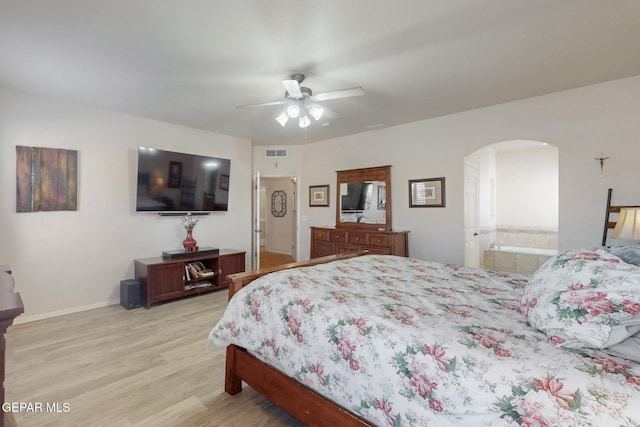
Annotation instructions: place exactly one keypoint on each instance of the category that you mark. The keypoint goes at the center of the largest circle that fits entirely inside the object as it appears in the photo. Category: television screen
(179, 182)
(357, 197)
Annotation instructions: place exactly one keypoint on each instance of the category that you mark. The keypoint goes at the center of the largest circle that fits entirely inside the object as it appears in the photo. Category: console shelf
(164, 279)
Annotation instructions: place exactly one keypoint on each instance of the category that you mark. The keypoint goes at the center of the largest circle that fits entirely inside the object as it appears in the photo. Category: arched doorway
(517, 196)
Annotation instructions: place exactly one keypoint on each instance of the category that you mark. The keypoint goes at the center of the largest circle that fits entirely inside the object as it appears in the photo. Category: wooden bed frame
(295, 398)
(608, 224)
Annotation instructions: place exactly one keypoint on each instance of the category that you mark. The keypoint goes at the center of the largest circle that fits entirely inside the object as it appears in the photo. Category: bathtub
(516, 259)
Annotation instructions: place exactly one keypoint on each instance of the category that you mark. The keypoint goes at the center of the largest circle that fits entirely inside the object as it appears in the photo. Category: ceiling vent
(276, 154)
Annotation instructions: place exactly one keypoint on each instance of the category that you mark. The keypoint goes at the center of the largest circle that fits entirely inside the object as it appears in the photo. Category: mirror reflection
(363, 202)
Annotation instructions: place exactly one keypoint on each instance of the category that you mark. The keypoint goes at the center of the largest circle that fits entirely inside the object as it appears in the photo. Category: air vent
(276, 154)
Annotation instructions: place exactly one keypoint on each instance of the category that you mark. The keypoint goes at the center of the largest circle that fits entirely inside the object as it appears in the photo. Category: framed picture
(427, 193)
(318, 195)
(175, 175)
(224, 182)
(46, 179)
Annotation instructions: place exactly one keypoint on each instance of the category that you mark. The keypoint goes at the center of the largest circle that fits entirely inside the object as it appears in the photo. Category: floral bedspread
(401, 341)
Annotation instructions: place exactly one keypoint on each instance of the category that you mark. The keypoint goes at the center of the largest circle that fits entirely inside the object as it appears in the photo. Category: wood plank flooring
(271, 259)
(130, 368)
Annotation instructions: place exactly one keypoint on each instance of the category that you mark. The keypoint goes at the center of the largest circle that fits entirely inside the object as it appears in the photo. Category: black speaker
(130, 294)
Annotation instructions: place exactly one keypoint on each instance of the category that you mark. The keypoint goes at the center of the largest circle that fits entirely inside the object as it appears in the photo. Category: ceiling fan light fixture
(304, 121)
(316, 112)
(282, 118)
(293, 111)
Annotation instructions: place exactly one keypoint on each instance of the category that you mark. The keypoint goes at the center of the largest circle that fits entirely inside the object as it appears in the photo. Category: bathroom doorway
(517, 196)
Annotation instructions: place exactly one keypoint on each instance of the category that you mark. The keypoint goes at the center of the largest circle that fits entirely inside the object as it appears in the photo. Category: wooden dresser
(10, 307)
(331, 241)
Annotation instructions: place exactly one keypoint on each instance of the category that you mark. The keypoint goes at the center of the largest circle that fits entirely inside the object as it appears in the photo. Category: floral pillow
(586, 298)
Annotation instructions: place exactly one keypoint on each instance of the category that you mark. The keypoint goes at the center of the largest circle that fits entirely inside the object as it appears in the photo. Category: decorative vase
(190, 243)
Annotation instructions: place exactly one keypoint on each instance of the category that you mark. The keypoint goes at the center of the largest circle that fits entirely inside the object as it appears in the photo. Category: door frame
(473, 224)
(295, 205)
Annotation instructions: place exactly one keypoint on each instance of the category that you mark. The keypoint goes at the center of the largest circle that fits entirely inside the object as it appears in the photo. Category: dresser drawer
(321, 234)
(357, 238)
(338, 236)
(378, 250)
(379, 240)
(322, 249)
(347, 249)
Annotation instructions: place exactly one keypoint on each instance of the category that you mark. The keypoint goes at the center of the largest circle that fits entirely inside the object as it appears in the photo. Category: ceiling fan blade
(293, 87)
(337, 94)
(264, 104)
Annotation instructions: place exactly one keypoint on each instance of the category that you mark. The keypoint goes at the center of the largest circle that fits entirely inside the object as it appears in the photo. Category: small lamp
(304, 121)
(628, 225)
(316, 112)
(282, 118)
(293, 111)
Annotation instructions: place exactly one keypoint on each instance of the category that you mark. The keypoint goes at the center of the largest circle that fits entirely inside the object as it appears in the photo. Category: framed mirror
(363, 198)
(278, 203)
(427, 193)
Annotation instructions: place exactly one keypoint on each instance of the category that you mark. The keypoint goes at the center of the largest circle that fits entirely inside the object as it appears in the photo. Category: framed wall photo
(46, 179)
(224, 182)
(426, 193)
(318, 195)
(175, 175)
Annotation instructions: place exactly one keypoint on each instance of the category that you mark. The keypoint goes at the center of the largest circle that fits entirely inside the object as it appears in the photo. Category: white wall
(582, 123)
(64, 261)
(527, 187)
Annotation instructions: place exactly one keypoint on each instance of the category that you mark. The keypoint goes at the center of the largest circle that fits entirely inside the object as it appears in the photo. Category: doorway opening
(276, 220)
(516, 199)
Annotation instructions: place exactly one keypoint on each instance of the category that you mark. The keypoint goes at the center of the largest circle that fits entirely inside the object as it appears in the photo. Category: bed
(383, 340)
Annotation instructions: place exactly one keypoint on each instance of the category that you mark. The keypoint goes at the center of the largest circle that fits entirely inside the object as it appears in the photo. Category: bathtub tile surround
(529, 237)
(524, 242)
(515, 259)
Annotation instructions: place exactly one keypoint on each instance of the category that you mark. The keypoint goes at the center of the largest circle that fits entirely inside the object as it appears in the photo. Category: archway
(517, 197)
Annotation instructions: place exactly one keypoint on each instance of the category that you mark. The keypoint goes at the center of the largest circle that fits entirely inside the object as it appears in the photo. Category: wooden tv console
(165, 279)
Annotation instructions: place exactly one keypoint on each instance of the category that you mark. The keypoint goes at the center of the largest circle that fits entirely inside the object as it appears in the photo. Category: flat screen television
(171, 182)
(357, 197)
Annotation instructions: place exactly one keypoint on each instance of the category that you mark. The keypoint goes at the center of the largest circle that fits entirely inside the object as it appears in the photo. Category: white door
(255, 264)
(471, 255)
(262, 225)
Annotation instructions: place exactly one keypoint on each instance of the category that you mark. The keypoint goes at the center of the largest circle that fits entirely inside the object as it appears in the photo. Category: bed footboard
(293, 397)
(240, 280)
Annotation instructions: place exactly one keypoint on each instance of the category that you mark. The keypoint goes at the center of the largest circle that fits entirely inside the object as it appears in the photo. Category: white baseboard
(27, 319)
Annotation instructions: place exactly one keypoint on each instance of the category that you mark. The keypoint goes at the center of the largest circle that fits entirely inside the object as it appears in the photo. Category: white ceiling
(192, 62)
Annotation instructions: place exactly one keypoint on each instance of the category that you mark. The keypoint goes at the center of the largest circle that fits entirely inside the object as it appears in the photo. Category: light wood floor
(117, 367)
(271, 259)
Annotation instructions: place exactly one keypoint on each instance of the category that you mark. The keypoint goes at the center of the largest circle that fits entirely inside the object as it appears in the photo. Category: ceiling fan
(301, 102)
